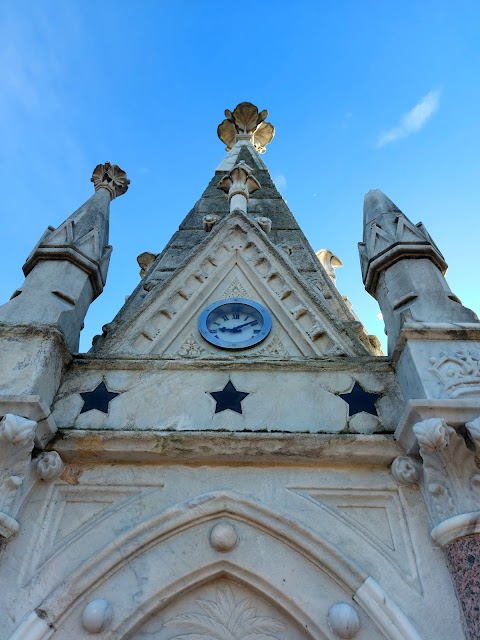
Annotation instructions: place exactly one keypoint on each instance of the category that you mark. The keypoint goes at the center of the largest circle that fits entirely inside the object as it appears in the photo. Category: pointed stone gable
(285, 240)
(165, 321)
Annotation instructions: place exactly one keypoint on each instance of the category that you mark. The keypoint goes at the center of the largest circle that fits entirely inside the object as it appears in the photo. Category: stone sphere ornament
(223, 537)
(343, 620)
(97, 615)
(49, 465)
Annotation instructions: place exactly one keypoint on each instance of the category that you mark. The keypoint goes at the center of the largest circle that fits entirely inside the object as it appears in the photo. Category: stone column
(238, 185)
(452, 492)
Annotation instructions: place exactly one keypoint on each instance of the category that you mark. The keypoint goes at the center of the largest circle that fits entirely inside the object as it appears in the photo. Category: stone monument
(234, 458)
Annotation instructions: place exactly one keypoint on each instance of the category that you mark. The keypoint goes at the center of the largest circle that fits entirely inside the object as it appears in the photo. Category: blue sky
(362, 94)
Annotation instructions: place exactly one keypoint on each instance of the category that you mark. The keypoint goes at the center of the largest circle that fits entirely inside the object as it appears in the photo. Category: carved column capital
(239, 184)
(16, 438)
(452, 478)
(111, 177)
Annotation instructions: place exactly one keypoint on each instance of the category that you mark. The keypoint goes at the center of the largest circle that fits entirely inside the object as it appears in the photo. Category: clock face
(234, 323)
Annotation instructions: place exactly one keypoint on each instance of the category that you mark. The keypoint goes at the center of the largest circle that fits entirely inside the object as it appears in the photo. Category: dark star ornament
(98, 399)
(228, 398)
(359, 400)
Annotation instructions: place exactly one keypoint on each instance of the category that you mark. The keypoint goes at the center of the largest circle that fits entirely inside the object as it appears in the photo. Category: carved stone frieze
(452, 478)
(458, 371)
(111, 177)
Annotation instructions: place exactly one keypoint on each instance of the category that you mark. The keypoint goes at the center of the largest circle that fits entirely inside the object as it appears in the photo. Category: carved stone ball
(49, 465)
(223, 537)
(97, 615)
(343, 620)
(405, 471)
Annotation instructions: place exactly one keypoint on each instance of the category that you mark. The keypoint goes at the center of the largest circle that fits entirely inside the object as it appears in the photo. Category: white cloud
(281, 182)
(413, 120)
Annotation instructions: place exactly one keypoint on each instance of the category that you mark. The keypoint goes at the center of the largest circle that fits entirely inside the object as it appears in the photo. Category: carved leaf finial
(246, 122)
(16, 429)
(111, 177)
(432, 434)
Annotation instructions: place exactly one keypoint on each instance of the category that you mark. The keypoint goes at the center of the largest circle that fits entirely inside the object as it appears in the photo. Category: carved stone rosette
(111, 177)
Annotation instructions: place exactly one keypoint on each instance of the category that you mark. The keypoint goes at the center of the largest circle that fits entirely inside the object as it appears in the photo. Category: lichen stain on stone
(71, 475)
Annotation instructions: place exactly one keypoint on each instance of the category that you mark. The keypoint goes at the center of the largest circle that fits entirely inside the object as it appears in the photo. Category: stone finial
(389, 236)
(329, 262)
(239, 184)
(246, 123)
(111, 177)
(145, 261)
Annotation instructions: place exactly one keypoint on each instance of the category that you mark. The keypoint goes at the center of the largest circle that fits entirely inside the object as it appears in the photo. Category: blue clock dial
(234, 323)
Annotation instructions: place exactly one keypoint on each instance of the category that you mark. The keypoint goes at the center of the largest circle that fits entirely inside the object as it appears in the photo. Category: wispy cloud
(281, 182)
(413, 120)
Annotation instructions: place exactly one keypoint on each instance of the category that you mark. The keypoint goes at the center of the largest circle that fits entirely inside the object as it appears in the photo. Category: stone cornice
(224, 448)
(370, 364)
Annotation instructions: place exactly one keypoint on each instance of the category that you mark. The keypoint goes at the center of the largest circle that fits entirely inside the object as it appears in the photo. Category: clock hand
(237, 329)
(245, 324)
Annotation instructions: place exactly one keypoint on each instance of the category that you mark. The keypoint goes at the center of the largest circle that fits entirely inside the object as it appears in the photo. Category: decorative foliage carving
(264, 223)
(432, 434)
(224, 620)
(239, 184)
(274, 349)
(473, 429)
(49, 465)
(111, 177)
(209, 221)
(329, 262)
(405, 471)
(16, 438)
(459, 372)
(145, 261)
(246, 122)
(235, 290)
(17, 430)
(191, 349)
(452, 477)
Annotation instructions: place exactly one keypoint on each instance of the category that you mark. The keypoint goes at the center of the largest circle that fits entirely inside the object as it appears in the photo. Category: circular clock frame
(221, 309)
